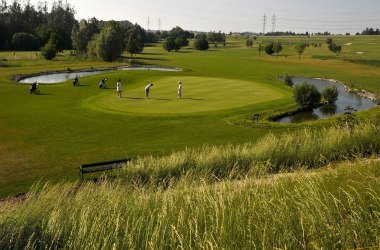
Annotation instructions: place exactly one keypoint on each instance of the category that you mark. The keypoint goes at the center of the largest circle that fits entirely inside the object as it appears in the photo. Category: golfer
(118, 88)
(147, 88)
(179, 95)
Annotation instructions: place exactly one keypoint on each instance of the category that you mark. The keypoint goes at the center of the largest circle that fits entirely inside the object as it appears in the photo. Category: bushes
(49, 51)
(306, 95)
(286, 79)
(201, 43)
(330, 94)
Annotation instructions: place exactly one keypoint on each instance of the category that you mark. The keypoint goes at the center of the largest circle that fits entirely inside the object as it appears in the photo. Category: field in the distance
(47, 136)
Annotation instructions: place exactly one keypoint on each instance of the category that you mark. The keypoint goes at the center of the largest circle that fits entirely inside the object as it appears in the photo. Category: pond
(344, 99)
(62, 77)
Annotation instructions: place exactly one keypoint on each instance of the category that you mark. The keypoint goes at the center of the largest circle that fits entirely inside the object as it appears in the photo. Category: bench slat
(100, 166)
(110, 167)
(104, 163)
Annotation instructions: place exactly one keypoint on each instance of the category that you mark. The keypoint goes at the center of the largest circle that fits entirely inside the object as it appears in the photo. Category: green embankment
(216, 198)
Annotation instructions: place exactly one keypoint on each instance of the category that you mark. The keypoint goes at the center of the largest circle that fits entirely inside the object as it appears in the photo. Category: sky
(334, 16)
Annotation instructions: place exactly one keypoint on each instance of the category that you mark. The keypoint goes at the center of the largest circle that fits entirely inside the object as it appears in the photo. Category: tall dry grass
(223, 198)
(307, 148)
(333, 208)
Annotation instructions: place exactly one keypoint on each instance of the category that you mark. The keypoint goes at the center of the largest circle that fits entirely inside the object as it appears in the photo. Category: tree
(178, 39)
(169, 44)
(249, 43)
(25, 42)
(336, 48)
(277, 47)
(300, 48)
(201, 43)
(61, 20)
(83, 33)
(329, 40)
(330, 94)
(133, 44)
(181, 41)
(306, 95)
(269, 48)
(49, 50)
(108, 44)
(260, 48)
(216, 38)
(57, 40)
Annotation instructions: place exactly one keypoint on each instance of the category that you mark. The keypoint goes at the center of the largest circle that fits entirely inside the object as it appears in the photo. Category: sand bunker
(359, 52)
(348, 43)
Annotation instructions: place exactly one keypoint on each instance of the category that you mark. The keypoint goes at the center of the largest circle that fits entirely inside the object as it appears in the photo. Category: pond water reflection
(62, 77)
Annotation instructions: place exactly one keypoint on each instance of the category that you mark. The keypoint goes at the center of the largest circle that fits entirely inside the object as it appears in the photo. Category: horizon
(333, 16)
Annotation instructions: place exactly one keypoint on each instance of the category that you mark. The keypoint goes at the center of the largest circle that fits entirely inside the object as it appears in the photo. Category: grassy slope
(333, 208)
(47, 136)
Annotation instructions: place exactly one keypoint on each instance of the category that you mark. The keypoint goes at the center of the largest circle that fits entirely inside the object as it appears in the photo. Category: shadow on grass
(151, 54)
(192, 98)
(134, 98)
(150, 59)
(161, 99)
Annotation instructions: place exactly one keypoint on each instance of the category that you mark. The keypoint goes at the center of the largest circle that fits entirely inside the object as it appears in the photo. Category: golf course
(47, 136)
(190, 155)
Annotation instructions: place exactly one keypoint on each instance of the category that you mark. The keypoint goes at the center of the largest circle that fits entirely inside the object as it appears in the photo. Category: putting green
(199, 94)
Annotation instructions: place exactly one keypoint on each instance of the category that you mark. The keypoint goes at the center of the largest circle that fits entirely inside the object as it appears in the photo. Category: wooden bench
(100, 166)
(256, 117)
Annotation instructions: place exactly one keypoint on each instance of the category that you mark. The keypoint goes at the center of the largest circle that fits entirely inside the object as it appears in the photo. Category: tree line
(371, 31)
(25, 27)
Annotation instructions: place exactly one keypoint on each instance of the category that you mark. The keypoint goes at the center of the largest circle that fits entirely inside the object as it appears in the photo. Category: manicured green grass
(47, 136)
(200, 94)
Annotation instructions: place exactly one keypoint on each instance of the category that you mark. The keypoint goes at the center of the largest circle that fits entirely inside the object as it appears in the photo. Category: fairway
(199, 94)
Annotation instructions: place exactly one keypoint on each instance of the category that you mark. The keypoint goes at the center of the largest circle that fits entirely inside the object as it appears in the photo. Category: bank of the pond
(62, 76)
(360, 92)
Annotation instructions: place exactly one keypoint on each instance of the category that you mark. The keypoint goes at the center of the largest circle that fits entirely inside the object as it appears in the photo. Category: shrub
(306, 95)
(201, 43)
(330, 94)
(249, 43)
(336, 48)
(286, 79)
(49, 51)
(269, 48)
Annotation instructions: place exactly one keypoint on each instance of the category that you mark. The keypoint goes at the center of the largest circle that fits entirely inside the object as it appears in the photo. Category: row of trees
(178, 38)
(107, 40)
(275, 47)
(26, 27)
(371, 31)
